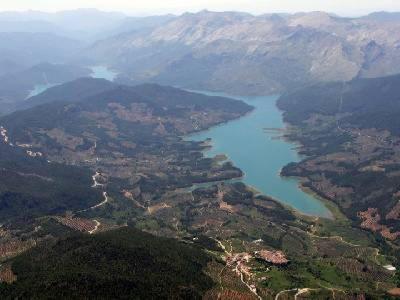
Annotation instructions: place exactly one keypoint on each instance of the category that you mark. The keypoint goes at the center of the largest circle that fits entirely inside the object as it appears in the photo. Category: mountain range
(246, 54)
(21, 50)
(103, 194)
(17, 87)
(228, 51)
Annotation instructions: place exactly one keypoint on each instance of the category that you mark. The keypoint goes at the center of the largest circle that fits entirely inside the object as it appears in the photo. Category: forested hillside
(122, 264)
(351, 133)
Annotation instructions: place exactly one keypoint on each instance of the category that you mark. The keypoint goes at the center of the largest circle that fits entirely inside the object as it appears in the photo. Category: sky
(148, 7)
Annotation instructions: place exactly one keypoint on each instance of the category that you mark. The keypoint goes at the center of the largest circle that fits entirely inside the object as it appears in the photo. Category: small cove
(97, 72)
(40, 88)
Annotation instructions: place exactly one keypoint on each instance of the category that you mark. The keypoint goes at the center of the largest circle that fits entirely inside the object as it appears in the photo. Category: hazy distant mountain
(29, 26)
(75, 19)
(31, 58)
(9, 66)
(81, 23)
(384, 16)
(130, 24)
(26, 42)
(87, 19)
(245, 54)
(15, 87)
(73, 91)
(228, 51)
(28, 49)
(87, 25)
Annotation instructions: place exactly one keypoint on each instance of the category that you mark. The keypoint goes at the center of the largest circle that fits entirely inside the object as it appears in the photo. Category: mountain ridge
(241, 53)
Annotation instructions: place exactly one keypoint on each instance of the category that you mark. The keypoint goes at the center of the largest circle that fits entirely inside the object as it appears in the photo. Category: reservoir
(261, 154)
(97, 72)
(40, 88)
(103, 72)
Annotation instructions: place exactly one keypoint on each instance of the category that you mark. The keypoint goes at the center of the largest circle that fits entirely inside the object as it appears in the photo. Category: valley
(128, 171)
(147, 185)
(261, 153)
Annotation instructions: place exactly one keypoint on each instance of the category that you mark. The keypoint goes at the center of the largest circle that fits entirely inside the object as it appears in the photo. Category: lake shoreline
(247, 137)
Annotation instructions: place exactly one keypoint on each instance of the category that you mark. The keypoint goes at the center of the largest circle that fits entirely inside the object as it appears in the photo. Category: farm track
(96, 227)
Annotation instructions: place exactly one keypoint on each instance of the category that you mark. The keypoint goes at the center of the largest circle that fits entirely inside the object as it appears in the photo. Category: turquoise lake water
(250, 147)
(103, 72)
(260, 154)
(97, 72)
(40, 88)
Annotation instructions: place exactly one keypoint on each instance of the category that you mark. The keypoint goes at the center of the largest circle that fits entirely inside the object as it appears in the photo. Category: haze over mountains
(17, 87)
(228, 51)
(77, 23)
(240, 53)
(88, 164)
